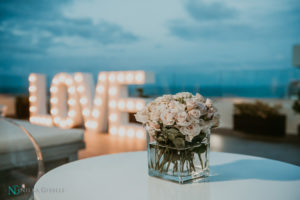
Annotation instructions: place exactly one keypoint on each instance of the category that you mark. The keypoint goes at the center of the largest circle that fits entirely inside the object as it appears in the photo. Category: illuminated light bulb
(80, 89)
(55, 81)
(112, 104)
(71, 102)
(71, 113)
(78, 78)
(32, 88)
(54, 100)
(71, 90)
(121, 105)
(130, 105)
(130, 132)
(32, 109)
(112, 91)
(139, 77)
(113, 130)
(62, 78)
(120, 77)
(139, 134)
(86, 112)
(111, 77)
(53, 89)
(69, 122)
(63, 124)
(139, 106)
(121, 131)
(32, 98)
(100, 89)
(32, 78)
(54, 111)
(56, 120)
(98, 101)
(95, 113)
(102, 77)
(129, 77)
(69, 81)
(91, 124)
(83, 101)
(112, 117)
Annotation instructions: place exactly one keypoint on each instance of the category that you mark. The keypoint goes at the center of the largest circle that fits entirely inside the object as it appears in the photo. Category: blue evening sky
(184, 42)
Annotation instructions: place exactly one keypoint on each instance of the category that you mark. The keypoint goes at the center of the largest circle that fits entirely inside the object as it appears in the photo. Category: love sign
(75, 100)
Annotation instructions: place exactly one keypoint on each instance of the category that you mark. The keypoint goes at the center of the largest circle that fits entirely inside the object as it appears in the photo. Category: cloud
(30, 27)
(284, 22)
(210, 21)
(209, 11)
(217, 21)
(219, 31)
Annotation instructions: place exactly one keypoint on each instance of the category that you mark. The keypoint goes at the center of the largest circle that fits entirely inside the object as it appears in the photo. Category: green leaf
(179, 142)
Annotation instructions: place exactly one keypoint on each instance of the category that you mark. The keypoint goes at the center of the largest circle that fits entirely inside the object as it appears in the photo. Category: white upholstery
(13, 139)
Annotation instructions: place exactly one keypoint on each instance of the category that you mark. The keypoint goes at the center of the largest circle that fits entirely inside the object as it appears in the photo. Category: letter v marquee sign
(74, 99)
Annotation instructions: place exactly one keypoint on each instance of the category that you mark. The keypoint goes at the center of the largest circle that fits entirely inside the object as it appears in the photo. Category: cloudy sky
(197, 36)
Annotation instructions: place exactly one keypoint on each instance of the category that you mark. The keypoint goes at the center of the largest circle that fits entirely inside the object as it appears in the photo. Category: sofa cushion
(13, 138)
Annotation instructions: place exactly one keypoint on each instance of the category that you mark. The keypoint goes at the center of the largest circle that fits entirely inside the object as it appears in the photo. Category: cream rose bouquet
(178, 128)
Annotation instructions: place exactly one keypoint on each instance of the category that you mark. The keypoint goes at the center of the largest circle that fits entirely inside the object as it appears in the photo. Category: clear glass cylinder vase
(181, 165)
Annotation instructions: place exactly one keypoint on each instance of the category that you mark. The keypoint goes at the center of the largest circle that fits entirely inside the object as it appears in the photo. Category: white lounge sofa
(16, 149)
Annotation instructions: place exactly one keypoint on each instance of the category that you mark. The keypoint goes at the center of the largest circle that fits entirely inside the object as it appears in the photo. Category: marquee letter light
(119, 103)
(76, 100)
(38, 100)
(93, 104)
(65, 110)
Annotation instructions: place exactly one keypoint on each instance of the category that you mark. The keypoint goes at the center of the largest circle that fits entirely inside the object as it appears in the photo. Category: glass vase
(181, 165)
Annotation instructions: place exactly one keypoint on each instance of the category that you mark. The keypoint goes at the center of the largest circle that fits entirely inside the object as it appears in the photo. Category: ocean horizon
(273, 83)
(208, 91)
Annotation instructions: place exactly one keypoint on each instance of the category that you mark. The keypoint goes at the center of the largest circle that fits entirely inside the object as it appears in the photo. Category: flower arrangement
(296, 104)
(178, 128)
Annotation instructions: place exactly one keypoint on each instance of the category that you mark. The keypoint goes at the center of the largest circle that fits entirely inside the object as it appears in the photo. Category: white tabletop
(125, 176)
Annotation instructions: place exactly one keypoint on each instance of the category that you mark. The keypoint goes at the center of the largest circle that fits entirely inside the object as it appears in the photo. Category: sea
(276, 83)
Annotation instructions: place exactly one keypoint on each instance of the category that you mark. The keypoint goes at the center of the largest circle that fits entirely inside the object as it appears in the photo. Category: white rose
(201, 106)
(164, 98)
(175, 106)
(195, 113)
(183, 95)
(150, 130)
(154, 125)
(210, 113)
(190, 104)
(167, 117)
(167, 97)
(182, 119)
(191, 131)
(155, 115)
(199, 97)
(150, 106)
(142, 116)
(208, 102)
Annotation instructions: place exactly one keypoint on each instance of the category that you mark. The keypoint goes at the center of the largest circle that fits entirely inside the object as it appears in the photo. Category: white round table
(125, 176)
